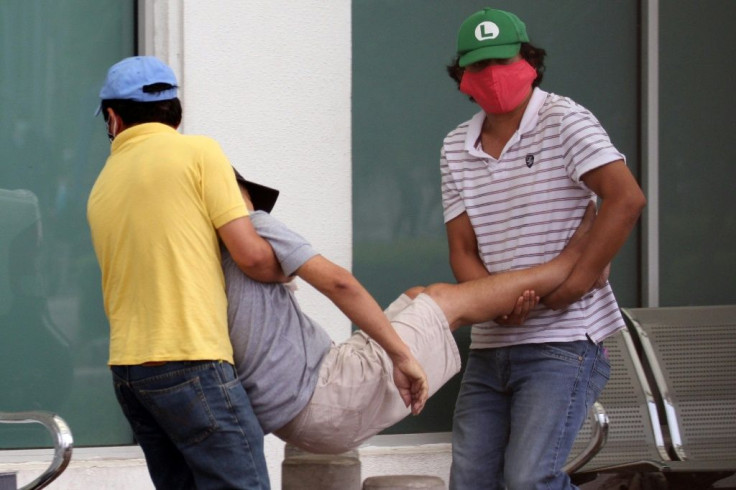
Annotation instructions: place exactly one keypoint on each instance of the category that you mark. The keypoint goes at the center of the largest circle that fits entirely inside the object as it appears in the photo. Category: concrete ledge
(404, 482)
(306, 471)
(123, 467)
(111, 468)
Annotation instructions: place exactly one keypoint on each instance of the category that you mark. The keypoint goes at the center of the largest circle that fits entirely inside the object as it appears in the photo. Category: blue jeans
(518, 412)
(195, 425)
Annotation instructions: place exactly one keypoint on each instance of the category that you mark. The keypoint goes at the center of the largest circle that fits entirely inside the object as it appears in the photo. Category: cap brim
(263, 197)
(503, 52)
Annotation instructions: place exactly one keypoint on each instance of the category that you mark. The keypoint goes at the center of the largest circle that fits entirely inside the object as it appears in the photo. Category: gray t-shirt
(278, 349)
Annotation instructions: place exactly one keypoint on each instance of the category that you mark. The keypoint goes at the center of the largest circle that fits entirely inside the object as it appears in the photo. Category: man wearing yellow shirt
(156, 213)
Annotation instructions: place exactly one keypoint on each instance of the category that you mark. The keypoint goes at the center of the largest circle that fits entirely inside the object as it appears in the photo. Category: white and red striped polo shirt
(525, 205)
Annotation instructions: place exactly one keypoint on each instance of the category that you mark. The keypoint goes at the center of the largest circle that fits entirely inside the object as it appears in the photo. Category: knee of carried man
(438, 291)
(415, 291)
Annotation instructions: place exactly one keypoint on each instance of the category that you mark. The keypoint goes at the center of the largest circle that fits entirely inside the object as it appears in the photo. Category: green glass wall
(697, 224)
(53, 345)
(404, 104)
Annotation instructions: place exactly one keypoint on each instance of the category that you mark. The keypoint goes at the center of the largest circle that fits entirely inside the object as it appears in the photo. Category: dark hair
(529, 52)
(133, 112)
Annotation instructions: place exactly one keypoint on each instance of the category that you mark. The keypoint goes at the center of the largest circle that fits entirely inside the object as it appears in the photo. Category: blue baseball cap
(135, 78)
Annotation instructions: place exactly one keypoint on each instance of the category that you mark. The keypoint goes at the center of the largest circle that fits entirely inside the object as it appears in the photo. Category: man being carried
(329, 398)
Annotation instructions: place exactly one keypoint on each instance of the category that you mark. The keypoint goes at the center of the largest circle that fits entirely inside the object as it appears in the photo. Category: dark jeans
(195, 425)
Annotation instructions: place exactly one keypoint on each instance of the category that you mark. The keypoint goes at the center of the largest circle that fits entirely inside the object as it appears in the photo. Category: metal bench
(595, 432)
(671, 401)
(691, 354)
(63, 442)
(634, 438)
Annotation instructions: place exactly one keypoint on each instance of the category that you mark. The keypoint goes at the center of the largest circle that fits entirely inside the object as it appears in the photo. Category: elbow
(636, 204)
(629, 206)
(343, 283)
(254, 260)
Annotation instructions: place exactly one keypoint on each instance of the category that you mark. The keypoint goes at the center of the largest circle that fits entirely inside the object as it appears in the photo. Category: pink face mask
(499, 88)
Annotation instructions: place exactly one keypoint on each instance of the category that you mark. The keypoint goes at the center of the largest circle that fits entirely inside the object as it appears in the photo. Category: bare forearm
(612, 230)
(616, 219)
(497, 294)
(344, 290)
(466, 264)
(360, 307)
(487, 298)
(467, 267)
(622, 201)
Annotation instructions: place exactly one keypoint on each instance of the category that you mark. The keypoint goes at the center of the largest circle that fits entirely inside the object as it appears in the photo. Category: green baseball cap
(490, 33)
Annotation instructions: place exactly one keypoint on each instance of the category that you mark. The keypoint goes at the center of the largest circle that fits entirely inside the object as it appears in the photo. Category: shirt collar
(138, 130)
(531, 113)
(528, 122)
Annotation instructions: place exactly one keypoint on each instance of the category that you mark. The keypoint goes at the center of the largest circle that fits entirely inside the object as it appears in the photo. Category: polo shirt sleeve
(586, 145)
(291, 249)
(220, 190)
(452, 202)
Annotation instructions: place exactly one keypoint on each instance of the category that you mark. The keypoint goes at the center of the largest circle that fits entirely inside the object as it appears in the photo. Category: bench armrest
(598, 437)
(63, 442)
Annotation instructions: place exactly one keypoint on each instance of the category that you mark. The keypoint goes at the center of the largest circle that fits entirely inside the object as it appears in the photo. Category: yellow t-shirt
(153, 213)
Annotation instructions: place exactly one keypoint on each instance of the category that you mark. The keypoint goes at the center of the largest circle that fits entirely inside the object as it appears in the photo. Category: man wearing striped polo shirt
(516, 179)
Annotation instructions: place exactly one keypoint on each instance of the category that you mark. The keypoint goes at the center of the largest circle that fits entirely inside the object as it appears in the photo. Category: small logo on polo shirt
(529, 160)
